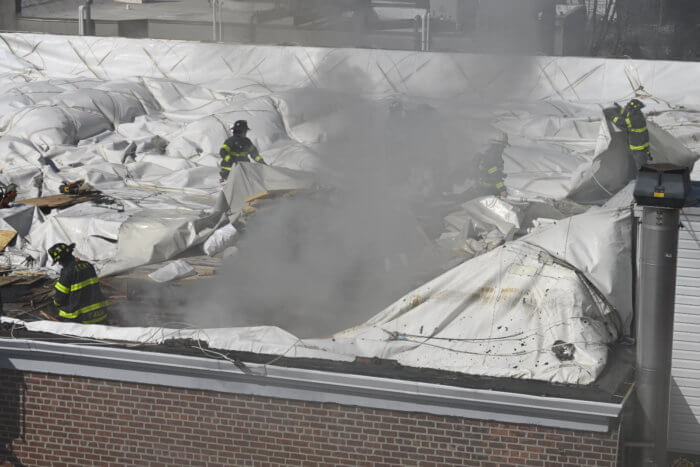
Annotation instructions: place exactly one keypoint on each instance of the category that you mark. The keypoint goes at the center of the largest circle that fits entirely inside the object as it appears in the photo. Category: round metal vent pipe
(655, 313)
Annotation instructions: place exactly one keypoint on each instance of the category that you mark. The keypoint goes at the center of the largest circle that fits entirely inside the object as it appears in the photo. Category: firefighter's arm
(616, 115)
(255, 155)
(226, 160)
(62, 289)
(620, 119)
(225, 152)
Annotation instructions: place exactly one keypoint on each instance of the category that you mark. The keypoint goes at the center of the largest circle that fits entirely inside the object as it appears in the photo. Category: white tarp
(223, 238)
(499, 314)
(175, 270)
(247, 180)
(142, 121)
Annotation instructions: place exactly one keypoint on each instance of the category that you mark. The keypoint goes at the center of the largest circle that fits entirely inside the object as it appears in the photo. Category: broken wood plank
(262, 194)
(108, 284)
(59, 201)
(47, 316)
(7, 280)
(271, 193)
(6, 237)
(204, 270)
(21, 279)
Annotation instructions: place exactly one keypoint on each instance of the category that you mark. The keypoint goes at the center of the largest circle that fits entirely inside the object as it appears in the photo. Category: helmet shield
(241, 126)
(61, 251)
(636, 104)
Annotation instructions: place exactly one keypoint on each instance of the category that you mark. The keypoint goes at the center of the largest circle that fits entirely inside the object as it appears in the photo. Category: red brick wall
(51, 419)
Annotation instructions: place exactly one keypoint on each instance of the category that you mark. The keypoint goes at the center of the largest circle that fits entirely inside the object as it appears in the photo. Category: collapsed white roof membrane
(142, 121)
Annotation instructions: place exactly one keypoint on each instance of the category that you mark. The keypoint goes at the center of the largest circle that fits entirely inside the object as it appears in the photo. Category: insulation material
(256, 339)
(142, 122)
(517, 311)
(500, 314)
(248, 180)
(175, 270)
(223, 238)
(152, 236)
(483, 224)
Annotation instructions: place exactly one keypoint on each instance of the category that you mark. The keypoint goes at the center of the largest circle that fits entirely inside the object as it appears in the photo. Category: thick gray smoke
(317, 264)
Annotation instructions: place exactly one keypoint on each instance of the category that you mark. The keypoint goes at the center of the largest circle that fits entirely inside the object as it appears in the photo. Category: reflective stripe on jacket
(490, 168)
(237, 149)
(78, 296)
(633, 122)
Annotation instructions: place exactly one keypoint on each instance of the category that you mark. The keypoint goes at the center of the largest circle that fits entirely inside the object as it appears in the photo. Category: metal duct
(85, 25)
(656, 300)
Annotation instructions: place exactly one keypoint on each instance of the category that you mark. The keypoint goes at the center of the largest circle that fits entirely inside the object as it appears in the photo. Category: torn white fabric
(220, 240)
(256, 339)
(500, 314)
(248, 180)
(172, 271)
(143, 120)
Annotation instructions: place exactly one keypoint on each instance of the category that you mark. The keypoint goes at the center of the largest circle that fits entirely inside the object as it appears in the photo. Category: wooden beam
(58, 201)
(6, 237)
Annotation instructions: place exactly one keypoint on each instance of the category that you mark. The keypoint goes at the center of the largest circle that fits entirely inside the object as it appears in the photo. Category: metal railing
(85, 19)
(423, 23)
(217, 22)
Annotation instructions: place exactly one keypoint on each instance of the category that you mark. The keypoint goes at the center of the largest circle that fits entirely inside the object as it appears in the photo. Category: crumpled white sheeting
(496, 315)
(256, 339)
(482, 224)
(223, 238)
(597, 243)
(248, 179)
(174, 270)
(500, 313)
(19, 218)
(296, 97)
(142, 121)
(567, 79)
(94, 230)
(153, 236)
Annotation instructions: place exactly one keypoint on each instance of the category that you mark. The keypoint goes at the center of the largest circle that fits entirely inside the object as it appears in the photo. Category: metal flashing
(223, 376)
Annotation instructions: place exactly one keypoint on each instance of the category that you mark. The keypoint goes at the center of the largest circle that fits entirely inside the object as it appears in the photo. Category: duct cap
(662, 185)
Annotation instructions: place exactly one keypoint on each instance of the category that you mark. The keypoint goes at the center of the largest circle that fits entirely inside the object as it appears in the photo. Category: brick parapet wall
(51, 419)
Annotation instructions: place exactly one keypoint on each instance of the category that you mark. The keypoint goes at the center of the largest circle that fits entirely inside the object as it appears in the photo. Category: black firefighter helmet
(240, 127)
(636, 104)
(60, 252)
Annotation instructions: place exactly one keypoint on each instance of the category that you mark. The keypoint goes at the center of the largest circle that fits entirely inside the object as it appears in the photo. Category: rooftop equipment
(661, 191)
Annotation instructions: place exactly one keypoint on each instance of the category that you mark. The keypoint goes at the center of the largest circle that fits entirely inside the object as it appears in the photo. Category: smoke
(320, 263)
(317, 264)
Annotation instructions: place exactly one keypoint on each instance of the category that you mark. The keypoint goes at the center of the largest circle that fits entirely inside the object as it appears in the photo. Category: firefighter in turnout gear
(491, 179)
(631, 120)
(78, 296)
(238, 148)
(7, 194)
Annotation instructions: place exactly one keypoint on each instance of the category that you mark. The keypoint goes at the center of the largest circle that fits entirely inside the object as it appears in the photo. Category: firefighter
(78, 296)
(7, 194)
(631, 120)
(238, 148)
(491, 179)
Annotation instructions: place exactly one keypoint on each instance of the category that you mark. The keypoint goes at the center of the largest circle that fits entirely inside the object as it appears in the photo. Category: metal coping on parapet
(200, 373)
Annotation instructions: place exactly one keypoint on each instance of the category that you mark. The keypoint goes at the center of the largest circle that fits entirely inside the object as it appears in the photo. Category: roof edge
(199, 373)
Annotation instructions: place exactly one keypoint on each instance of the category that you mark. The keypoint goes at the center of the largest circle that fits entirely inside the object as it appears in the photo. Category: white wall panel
(684, 427)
